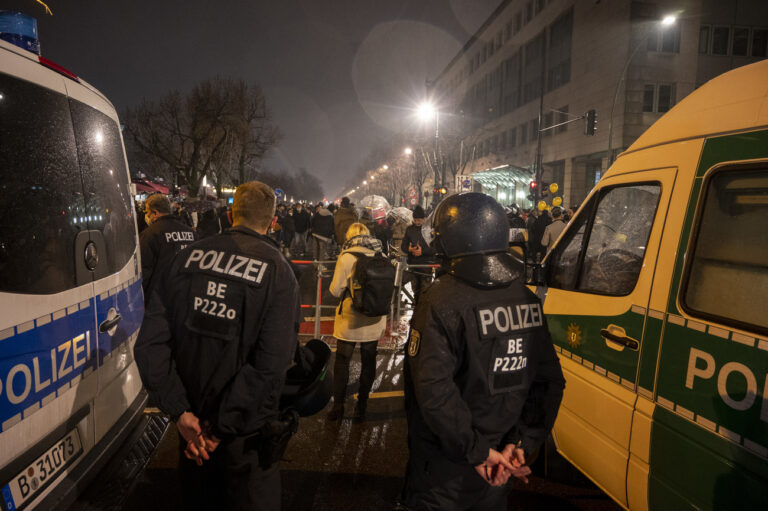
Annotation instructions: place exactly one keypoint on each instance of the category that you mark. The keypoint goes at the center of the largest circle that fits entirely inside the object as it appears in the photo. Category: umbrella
(401, 214)
(376, 205)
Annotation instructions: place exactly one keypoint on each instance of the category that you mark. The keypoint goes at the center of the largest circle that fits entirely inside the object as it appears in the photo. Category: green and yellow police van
(656, 295)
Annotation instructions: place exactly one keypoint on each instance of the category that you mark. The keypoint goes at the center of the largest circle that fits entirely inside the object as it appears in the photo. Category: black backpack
(372, 284)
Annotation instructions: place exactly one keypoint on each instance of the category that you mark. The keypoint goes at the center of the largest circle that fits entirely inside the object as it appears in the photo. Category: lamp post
(666, 22)
(426, 111)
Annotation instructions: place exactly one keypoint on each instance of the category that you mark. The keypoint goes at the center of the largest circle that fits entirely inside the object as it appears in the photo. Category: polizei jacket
(159, 243)
(220, 331)
(481, 371)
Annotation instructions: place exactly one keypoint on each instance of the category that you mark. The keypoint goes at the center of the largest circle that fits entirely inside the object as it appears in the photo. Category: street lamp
(666, 22)
(408, 151)
(426, 111)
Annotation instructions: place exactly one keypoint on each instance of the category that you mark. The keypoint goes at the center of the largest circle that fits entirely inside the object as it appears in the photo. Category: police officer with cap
(217, 339)
(482, 381)
(162, 240)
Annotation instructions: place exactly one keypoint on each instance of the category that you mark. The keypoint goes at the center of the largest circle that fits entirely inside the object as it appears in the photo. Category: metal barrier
(396, 310)
(318, 293)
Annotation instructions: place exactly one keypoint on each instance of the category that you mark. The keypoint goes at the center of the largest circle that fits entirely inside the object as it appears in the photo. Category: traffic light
(544, 189)
(443, 190)
(533, 188)
(590, 124)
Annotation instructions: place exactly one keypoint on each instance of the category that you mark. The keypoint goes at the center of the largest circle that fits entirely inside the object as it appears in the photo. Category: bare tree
(219, 123)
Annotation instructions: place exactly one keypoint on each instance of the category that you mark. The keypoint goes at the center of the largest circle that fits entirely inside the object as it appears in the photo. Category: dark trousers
(419, 282)
(438, 484)
(231, 479)
(344, 350)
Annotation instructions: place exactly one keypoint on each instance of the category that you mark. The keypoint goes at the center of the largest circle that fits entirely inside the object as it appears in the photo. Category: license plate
(31, 481)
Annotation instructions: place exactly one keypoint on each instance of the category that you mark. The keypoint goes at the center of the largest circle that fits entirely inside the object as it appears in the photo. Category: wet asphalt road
(352, 466)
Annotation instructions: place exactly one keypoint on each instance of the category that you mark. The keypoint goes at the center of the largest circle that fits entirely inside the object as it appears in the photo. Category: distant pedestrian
(322, 233)
(208, 224)
(301, 225)
(351, 327)
(419, 253)
(537, 233)
(343, 218)
(225, 219)
(553, 230)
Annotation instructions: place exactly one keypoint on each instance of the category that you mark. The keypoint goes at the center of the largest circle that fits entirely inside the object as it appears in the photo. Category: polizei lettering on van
(216, 261)
(502, 319)
(44, 370)
(702, 366)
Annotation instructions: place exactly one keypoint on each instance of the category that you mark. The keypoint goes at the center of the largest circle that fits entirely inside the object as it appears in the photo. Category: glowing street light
(365, 182)
(408, 151)
(665, 23)
(669, 20)
(426, 111)
(385, 167)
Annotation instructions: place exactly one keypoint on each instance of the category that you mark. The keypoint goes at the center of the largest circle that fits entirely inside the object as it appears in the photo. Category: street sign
(412, 194)
(279, 194)
(414, 201)
(464, 183)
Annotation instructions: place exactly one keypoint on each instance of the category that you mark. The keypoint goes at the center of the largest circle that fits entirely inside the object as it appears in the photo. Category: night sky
(339, 75)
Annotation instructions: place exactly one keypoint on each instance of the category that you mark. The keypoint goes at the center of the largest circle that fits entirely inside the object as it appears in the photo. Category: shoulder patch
(414, 343)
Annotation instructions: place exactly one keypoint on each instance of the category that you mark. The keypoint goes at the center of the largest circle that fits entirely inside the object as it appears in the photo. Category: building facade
(565, 57)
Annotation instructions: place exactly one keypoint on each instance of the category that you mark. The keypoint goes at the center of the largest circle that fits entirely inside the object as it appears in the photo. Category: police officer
(217, 339)
(162, 240)
(482, 381)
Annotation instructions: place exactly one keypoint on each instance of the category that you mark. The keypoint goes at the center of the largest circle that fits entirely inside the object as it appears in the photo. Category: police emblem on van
(573, 335)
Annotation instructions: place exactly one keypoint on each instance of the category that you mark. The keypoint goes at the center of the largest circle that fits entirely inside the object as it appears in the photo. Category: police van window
(564, 260)
(607, 259)
(42, 207)
(727, 276)
(107, 191)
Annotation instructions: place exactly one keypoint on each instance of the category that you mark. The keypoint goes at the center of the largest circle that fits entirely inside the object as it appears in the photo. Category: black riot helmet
(308, 383)
(470, 223)
(471, 232)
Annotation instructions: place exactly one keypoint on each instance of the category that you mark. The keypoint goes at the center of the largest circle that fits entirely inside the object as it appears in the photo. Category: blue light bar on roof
(19, 29)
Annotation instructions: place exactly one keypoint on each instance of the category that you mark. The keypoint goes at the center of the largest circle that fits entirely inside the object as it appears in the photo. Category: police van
(70, 290)
(656, 295)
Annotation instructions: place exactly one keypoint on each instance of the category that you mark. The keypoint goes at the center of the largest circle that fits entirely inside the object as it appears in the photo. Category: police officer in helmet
(218, 336)
(482, 381)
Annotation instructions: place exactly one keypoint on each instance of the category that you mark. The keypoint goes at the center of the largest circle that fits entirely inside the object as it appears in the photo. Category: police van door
(112, 237)
(598, 278)
(46, 325)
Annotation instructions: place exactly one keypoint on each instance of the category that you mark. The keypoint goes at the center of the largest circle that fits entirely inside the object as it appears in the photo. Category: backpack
(371, 285)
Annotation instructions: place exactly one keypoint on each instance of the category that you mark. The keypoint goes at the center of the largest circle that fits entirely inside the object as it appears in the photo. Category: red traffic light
(533, 185)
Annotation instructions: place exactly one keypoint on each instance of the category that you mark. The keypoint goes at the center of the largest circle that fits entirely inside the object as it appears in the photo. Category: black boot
(337, 412)
(360, 408)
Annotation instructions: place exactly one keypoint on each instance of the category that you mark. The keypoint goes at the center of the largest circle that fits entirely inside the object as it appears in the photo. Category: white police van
(70, 290)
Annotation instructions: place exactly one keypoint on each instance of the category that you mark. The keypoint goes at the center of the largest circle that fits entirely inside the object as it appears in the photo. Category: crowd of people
(220, 333)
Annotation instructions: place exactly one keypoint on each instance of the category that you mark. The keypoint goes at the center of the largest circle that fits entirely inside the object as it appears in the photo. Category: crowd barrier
(402, 301)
